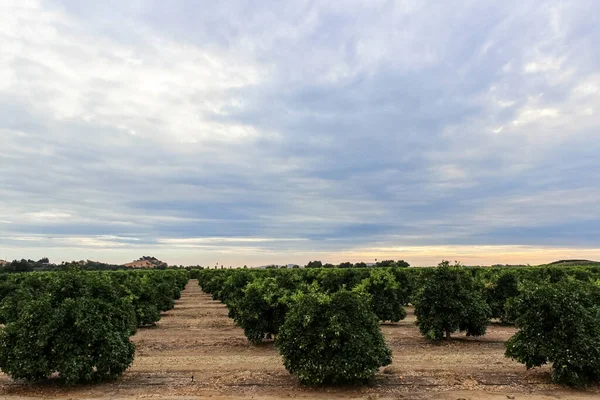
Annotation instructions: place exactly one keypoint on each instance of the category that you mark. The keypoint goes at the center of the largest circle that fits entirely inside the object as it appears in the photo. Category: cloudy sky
(242, 132)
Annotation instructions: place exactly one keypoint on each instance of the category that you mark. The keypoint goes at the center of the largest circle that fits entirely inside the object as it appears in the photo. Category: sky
(241, 132)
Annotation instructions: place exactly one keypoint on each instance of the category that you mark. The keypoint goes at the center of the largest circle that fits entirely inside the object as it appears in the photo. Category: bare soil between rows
(197, 339)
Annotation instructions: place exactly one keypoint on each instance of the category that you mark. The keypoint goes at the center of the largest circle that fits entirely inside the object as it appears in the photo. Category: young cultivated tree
(332, 339)
(235, 283)
(498, 292)
(77, 329)
(449, 301)
(386, 297)
(559, 324)
(340, 278)
(261, 310)
(406, 283)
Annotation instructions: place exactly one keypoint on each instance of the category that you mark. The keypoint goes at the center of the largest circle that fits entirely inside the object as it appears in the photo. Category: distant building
(3, 263)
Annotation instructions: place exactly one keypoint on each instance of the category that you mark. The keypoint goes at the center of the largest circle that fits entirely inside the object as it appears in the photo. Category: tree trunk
(448, 333)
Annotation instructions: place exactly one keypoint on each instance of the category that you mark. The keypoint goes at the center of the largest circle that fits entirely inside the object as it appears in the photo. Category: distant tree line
(347, 264)
(44, 264)
(28, 265)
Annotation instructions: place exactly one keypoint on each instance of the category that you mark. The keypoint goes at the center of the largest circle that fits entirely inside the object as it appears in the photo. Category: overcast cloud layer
(257, 132)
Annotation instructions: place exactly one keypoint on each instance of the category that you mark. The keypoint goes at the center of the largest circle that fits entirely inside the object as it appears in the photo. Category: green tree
(78, 328)
(386, 263)
(498, 292)
(449, 301)
(261, 310)
(336, 279)
(560, 324)
(405, 283)
(314, 264)
(332, 339)
(386, 297)
(142, 293)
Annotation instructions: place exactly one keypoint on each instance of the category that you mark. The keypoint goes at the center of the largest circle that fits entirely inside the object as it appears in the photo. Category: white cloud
(49, 61)
(527, 116)
(48, 216)
(544, 64)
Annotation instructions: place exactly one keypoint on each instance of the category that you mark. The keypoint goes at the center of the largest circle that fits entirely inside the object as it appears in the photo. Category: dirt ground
(196, 351)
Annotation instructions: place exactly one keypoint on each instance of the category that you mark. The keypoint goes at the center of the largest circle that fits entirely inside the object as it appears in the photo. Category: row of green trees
(76, 325)
(302, 309)
(384, 263)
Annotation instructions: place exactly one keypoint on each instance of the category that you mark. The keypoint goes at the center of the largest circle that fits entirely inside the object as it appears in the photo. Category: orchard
(325, 322)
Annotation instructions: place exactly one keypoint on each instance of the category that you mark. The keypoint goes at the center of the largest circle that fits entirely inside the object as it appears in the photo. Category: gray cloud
(166, 127)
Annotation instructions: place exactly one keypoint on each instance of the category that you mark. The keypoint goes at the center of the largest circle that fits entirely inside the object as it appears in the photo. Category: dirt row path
(197, 351)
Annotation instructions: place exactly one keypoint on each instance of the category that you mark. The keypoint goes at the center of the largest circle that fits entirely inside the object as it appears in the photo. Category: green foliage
(448, 302)
(16, 290)
(406, 284)
(143, 296)
(261, 310)
(195, 273)
(386, 263)
(234, 285)
(76, 325)
(19, 266)
(44, 264)
(448, 299)
(386, 296)
(559, 324)
(332, 339)
(78, 328)
(336, 279)
(498, 292)
(151, 292)
(446, 263)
